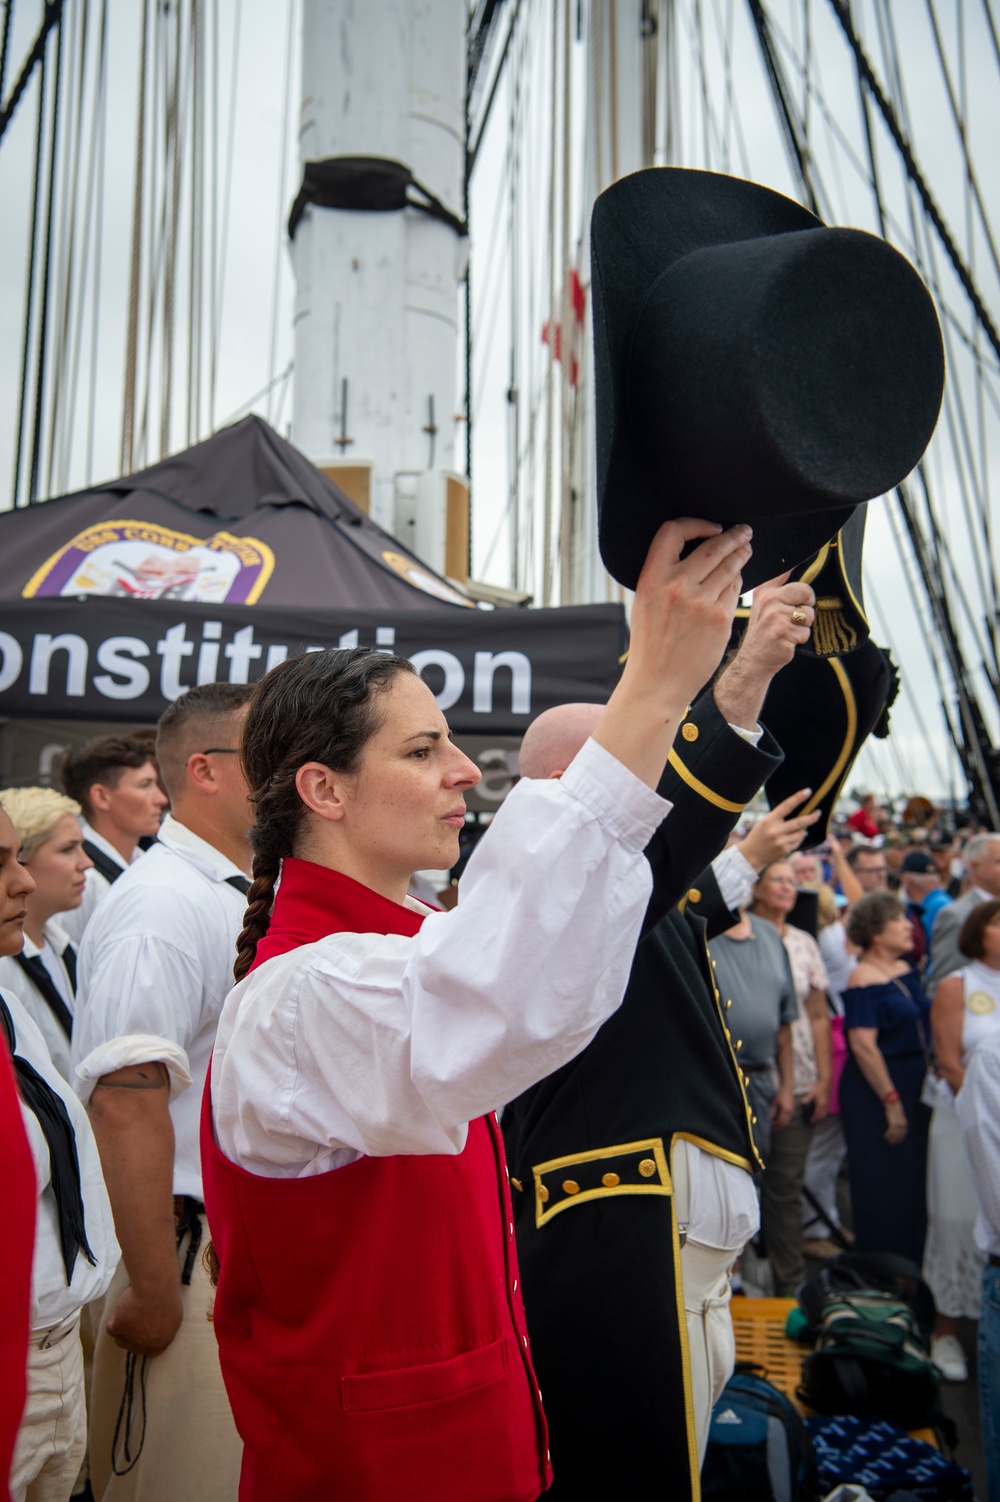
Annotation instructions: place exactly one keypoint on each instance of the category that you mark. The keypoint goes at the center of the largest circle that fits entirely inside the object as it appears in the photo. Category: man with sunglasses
(155, 967)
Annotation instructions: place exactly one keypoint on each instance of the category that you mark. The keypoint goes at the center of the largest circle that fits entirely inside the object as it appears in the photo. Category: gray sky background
(744, 139)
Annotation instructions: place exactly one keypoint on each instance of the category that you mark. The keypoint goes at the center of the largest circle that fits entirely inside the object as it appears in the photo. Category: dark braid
(322, 706)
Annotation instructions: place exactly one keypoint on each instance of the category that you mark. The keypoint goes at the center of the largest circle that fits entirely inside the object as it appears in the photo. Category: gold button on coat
(647, 1168)
(570, 1186)
(543, 1193)
(694, 895)
(610, 1180)
(689, 732)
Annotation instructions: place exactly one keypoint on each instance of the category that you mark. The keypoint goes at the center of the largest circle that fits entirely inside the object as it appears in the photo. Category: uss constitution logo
(144, 561)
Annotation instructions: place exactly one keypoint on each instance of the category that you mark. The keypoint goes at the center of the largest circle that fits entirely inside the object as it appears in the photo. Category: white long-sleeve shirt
(154, 968)
(371, 1044)
(53, 1301)
(978, 1108)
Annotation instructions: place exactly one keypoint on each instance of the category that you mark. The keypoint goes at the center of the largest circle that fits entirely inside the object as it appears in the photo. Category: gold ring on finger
(798, 617)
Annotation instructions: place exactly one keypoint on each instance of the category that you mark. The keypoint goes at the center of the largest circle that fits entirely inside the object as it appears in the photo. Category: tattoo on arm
(152, 1076)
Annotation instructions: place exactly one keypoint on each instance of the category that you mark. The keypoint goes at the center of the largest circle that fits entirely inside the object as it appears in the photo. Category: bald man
(633, 1166)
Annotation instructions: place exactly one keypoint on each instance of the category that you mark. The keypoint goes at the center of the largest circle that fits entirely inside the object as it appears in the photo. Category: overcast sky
(264, 139)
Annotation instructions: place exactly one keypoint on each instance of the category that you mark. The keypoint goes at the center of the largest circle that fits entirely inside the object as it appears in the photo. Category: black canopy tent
(222, 560)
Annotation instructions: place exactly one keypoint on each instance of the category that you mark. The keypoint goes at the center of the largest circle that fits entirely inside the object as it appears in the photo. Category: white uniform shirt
(371, 1044)
(978, 1108)
(723, 1210)
(96, 887)
(13, 978)
(53, 1302)
(154, 968)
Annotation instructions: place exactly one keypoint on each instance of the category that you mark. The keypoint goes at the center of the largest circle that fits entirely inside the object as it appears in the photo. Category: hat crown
(784, 374)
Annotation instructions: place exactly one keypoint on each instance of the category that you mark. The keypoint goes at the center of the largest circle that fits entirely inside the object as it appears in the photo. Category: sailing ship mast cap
(751, 365)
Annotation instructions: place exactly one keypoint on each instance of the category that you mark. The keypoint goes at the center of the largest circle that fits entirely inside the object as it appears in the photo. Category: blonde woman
(43, 975)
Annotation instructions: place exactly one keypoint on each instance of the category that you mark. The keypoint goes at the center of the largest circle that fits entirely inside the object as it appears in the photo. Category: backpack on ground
(871, 1359)
(884, 1460)
(884, 1271)
(758, 1447)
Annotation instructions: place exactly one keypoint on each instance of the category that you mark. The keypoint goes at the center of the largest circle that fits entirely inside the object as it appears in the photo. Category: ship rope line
(279, 238)
(30, 284)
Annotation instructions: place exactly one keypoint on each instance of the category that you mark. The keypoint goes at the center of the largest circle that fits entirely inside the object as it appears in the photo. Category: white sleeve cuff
(620, 800)
(752, 737)
(735, 876)
(134, 1048)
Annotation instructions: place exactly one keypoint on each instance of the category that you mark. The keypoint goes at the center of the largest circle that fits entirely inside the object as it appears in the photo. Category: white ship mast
(377, 300)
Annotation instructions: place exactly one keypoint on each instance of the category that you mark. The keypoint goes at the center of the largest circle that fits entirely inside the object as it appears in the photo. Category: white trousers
(53, 1433)
(705, 1273)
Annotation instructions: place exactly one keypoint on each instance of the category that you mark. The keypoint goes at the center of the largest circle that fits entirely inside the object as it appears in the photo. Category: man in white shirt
(155, 966)
(75, 1249)
(978, 1108)
(982, 861)
(115, 782)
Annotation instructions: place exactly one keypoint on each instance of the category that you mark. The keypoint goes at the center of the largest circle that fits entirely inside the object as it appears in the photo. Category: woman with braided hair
(368, 1308)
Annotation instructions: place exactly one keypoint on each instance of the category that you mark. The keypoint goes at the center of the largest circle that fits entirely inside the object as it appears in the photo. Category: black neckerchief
(53, 1118)
(34, 968)
(103, 863)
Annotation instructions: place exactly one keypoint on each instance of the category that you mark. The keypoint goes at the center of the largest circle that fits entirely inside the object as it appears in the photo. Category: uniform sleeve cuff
(735, 877)
(620, 800)
(135, 1048)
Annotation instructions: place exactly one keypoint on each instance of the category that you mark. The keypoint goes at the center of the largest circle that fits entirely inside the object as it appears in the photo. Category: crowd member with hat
(982, 862)
(155, 965)
(965, 1012)
(943, 849)
(360, 1062)
(43, 973)
(75, 1252)
(114, 780)
(886, 1016)
(925, 896)
(642, 1147)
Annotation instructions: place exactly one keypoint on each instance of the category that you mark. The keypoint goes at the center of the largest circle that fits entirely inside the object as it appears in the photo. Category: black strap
(239, 882)
(34, 968)
(103, 863)
(368, 183)
(69, 960)
(53, 1118)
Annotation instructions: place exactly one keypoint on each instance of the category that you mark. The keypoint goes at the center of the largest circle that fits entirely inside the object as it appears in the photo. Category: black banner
(492, 671)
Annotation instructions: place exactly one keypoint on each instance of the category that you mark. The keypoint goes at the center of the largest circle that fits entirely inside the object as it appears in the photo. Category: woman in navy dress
(886, 1017)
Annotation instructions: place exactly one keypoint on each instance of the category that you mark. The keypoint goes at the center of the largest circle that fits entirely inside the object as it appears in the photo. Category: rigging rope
(914, 173)
(52, 14)
(227, 200)
(98, 249)
(567, 342)
(43, 328)
(176, 118)
(8, 13)
(550, 363)
(279, 243)
(72, 144)
(30, 289)
(779, 89)
(972, 182)
(132, 327)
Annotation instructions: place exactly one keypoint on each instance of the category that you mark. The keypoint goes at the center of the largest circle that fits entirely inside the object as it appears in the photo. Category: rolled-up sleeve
(386, 1045)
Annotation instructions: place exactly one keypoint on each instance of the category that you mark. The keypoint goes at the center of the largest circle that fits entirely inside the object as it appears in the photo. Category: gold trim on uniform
(641, 1168)
(840, 766)
(682, 1330)
(699, 787)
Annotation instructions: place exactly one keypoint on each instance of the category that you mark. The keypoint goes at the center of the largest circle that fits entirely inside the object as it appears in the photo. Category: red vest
(20, 1198)
(370, 1324)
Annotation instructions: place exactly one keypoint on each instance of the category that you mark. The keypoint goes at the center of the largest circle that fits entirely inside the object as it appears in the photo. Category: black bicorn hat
(751, 365)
